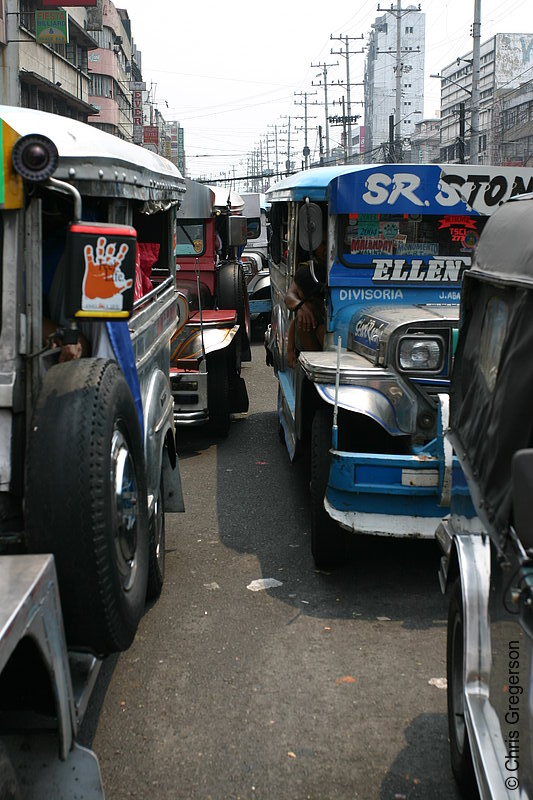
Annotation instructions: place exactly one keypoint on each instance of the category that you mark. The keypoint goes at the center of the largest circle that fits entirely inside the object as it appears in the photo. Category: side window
(493, 333)
(279, 243)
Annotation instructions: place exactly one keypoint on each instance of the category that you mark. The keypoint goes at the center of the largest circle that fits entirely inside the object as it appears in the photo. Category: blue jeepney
(372, 406)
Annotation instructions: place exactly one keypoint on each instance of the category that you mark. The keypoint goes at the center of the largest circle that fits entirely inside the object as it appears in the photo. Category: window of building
(104, 38)
(101, 86)
(409, 29)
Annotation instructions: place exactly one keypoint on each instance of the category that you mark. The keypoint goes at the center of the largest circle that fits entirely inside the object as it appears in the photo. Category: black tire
(327, 539)
(460, 753)
(86, 500)
(9, 785)
(232, 293)
(238, 394)
(156, 563)
(218, 400)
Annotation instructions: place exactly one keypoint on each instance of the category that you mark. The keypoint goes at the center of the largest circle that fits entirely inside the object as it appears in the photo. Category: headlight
(421, 354)
(35, 157)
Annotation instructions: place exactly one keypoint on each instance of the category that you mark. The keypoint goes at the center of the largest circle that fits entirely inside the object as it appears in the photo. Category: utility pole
(474, 114)
(392, 155)
(346, 54)
(288, 161)
(306, 151)
(325, 85)
(343, 120)
(276, 148)
(461, 133)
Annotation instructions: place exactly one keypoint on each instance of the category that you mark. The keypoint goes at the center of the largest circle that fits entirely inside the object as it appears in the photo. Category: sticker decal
(104, 281)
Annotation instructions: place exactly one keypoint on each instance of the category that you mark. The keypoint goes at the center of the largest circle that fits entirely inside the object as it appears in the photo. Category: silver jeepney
(88, 460)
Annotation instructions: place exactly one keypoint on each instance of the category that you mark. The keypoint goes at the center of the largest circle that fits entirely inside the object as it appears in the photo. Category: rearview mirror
(309, 226)
(522, 487)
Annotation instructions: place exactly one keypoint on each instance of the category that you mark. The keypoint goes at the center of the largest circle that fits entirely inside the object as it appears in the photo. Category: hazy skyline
(229, 74)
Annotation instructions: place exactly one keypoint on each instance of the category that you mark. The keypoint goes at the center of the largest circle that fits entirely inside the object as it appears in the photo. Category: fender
(468, 555)
(363, 400)
(158, 418)
(259, 282)
(189, 345)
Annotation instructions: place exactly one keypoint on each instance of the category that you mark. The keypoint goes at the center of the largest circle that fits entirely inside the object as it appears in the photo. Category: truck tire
(460, 753)
(9, 785)
(327, 539)
(86, 500)
(218, 400)
(156, 558)
(232, 293)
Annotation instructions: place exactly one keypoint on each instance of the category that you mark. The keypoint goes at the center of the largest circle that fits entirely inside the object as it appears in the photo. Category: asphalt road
(323, 686)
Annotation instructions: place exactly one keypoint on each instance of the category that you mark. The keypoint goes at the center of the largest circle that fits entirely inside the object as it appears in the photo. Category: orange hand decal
(103, 277)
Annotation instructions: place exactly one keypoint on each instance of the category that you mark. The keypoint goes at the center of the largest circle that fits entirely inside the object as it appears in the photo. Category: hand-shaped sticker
(104, 280)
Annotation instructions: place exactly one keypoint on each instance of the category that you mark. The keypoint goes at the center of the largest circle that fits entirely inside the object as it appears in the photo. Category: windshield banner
(460, 189)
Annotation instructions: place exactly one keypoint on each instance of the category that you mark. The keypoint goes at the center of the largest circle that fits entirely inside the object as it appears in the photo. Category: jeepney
(88, 462)
(371, 406)
(207, 353)
(255, 259)
(487, 563)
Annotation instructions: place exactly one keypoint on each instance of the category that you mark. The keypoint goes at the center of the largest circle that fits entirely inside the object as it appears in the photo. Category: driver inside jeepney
(305, 297)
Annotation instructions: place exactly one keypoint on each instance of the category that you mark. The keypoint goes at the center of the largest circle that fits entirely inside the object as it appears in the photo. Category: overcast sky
(231, 72)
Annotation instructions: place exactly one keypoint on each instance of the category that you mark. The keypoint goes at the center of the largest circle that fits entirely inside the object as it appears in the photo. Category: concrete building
(82, 62)
(177, 146)
(425, 142)
(42, 69)
(111, 65)
(514, 129)
(506, 63)
(394, 80)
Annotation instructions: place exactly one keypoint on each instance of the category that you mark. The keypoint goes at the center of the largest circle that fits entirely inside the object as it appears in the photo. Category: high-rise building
(506, 63)
(394, 81)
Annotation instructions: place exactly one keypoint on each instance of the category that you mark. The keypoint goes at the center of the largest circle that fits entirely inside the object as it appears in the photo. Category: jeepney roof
(198, 202)
(312, 183)
(460, 189)
(222, 194)
(97, 162)
(505, 251)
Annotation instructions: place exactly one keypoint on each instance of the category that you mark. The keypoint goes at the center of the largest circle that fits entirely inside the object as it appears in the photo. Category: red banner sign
(151, 134)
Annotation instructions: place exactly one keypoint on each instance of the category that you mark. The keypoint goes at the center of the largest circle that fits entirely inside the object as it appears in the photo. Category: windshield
(190, 238)
(409, 235)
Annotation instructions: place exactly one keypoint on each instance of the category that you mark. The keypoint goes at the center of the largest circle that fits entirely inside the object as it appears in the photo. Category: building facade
(514, 129)
(111, 65)
(45, 53)
(394, 80)
(506, 64)
(425, 142)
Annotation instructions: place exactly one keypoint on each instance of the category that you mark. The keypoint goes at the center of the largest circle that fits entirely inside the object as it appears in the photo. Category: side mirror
(100, 270)
(237, 231)
(309, 226)
(522, 488)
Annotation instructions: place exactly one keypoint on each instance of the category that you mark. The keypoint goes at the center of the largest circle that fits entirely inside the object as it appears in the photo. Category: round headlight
(420, 354)
(35, 157)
